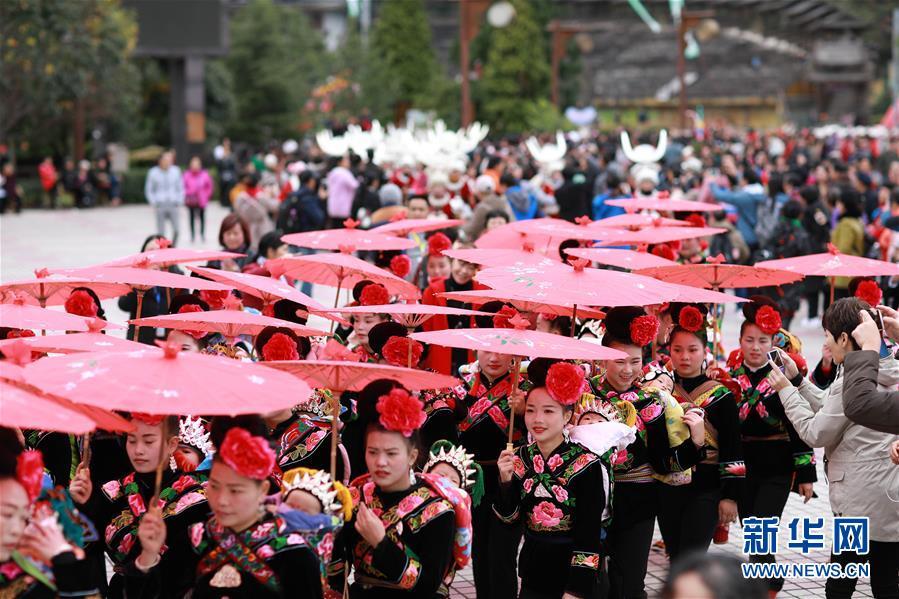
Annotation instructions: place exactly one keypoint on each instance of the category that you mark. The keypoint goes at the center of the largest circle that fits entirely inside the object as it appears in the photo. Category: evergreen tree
(516, 73)
(402, 40)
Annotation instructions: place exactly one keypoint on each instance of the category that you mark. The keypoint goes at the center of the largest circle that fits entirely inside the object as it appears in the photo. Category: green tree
(402, 40)
(56, 55)
(516, 72)
(275, 57)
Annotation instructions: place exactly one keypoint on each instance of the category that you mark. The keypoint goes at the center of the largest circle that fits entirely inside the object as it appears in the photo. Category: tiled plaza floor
(69, 238)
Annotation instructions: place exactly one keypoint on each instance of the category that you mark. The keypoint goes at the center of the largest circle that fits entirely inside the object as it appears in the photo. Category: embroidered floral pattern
(585, 560)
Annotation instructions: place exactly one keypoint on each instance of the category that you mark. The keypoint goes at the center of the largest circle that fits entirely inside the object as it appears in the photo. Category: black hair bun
(618, 322)
(380, 334)
(486, 322)
(755, 303)
(186, 299)
(302, 343)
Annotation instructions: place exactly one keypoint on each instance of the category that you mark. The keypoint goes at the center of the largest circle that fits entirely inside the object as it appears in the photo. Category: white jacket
(857, 459)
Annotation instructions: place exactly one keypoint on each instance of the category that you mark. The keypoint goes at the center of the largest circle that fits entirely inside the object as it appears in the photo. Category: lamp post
(688, 20)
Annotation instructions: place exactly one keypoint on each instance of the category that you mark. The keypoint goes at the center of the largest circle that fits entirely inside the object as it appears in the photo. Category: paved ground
(70, 238)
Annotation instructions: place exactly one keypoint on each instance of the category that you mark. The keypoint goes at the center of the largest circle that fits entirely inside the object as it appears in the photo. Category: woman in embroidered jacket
(118, 507)
(53, 567)
(857, 458)
(776, 458)
(400, 542)
(636, 497)
(689, 513)
(555, 486)
(242, 550)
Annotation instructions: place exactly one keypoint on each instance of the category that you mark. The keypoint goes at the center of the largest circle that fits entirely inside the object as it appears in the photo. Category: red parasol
(499, 257)
(166, 382)
(268, 289)
(167, 257)
(230, 323)
(663, 204)
(636, 221)
(340, 376)
(405, 226)
(554, 227)
(833, 263)
(653, 235)
(410, 315)
(628, 259)
(54, 290)
(506, 237)
(19, 315)
(335, 239)
(522, 302)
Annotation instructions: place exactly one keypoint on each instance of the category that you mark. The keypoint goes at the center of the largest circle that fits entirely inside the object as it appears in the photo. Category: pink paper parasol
(663, 204)
(721, 276)
(519, 342)
(410, 315)
(521, 302)
(636, 221)
(506, 238)
(335, 239)
(554, 227)
(497, 257)
(76, 343)
(166, 257)
(21, 316)
(405, 226)
(54, 290)
(628, 259)
(268, 289)
(230, 323)
(653, 235)
(833, 263)
(167, 382)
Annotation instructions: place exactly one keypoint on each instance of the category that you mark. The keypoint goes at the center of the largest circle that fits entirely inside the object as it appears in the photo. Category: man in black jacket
(302, 210)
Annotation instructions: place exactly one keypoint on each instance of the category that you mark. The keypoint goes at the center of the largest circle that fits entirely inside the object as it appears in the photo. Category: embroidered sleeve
(197, 534)
(589, 499)
(724, 417)
(803, 457)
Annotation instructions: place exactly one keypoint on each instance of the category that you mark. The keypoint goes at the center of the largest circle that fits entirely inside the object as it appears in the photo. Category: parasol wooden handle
(516, 367)
(335, 433)
(140, 304)
(160, 467)
(86, 450)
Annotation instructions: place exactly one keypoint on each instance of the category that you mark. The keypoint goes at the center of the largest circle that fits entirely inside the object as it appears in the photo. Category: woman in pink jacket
(197, 191)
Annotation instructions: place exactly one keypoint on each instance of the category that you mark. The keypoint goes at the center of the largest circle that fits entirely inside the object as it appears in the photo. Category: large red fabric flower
(187, 309)
(869, 291)
(438, 243)
(768, 320)
(81, 303)
(663, 250)
(644, 329)
(215, 298)
(280, 347)
(19, 333)
(374, 295)
(247, 455)
(400, 265)
(396, 351)
(690, 319)
(564, 382)
(696, 220)
(502, 319)
(400, 412)
(148, 419)
(30, 472)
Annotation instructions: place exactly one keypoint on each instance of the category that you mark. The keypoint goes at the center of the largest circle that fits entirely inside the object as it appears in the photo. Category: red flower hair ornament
(187, 309)
(19, 333)
(644, 329)
(437, 244)
(564, 382)
(214, 297)
(247, 455)
(503, 318)
(397, 351)
(768, 320)
(400, 265)
(148, 419)
(81, 303)
(696, 220)
(401, 413)
(374, 295)
(30, 472)
(280, 347)
(869, 291)
(663, 250)
(690, 319)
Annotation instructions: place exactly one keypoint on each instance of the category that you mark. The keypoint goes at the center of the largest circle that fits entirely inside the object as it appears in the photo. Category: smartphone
(775, 357)
(879, 321)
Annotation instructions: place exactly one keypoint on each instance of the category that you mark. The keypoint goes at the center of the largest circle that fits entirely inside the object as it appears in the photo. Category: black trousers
(198, 213)
(687, 518)
(494, 553)
(884, 560)
(764, 497)
(634, 507)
